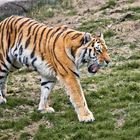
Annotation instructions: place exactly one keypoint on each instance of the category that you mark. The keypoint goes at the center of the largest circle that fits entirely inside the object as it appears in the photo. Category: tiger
(56, 53)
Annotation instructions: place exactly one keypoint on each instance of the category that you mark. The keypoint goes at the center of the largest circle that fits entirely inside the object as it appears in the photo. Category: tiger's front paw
(2, 100)
(86, 118)
(47, 110)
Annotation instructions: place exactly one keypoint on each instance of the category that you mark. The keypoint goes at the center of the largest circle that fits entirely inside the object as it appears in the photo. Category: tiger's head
(93, 52)
(101, 50)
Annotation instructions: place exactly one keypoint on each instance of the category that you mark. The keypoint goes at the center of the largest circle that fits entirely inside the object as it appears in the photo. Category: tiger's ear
(101, 35)
(86, 38)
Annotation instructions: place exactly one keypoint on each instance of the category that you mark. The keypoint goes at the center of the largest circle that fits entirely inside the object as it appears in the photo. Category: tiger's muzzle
(93, 68)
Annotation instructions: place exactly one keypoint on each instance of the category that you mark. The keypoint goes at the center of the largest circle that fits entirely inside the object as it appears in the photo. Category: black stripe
(42, 56)
(76, 36)
(75, 73)
(9, 21)
(47, 38)
(60, 63)
(47, 87)
(48, 32)
(20, 50)
(90, 53)
(16, 67)
(14, 38)
(8, 34)
(15, 48)
(33, 52)
(27, 42)
(31, 21)
(44, 83)
(5, 71)
(4, 65)
(20, 60)
(23, 23)
(20, 38)
(37, 33)
(2, 35)
(9, 61)
(11, 25)
(17, 20)
(40, 40)
(84, 52)
(1, 77)
(58, 35)
(33, 32)
(33, 63)
(53, 52)
(25, 61)
(71, 54)
(68, 33)
(9, 41)
(55, 32)
(29, 29)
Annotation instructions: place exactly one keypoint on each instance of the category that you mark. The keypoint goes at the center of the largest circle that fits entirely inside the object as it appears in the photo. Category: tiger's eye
(92, 45)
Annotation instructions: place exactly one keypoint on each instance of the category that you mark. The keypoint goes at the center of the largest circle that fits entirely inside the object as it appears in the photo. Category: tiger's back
(30, 41)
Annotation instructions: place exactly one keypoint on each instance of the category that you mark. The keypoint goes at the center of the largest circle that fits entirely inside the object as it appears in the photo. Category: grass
(16, 125)
(117, 96)
(42, 12)
(71, 12)
(96, 25)
(47, 9)
(109, 33)
(25, 136)
(109, 4)
(134, 9)
(133, 46)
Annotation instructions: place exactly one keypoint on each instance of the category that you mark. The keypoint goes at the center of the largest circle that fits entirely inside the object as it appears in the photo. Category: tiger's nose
(107, 61)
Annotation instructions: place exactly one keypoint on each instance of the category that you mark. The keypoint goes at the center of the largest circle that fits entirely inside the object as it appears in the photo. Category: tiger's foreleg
(46, 87)
(77, 98)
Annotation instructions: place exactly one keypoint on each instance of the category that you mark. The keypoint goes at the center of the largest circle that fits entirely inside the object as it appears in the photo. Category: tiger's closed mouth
(93, 68)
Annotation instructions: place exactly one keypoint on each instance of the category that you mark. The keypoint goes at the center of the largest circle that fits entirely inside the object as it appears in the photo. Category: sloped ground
(113, 94)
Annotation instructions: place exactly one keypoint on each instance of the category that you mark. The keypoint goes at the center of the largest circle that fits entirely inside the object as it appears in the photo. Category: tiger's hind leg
(3, 84)
(46, 87)
(6, 65)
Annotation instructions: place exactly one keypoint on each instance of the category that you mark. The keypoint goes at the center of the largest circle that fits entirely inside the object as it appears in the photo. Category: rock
(16, 8)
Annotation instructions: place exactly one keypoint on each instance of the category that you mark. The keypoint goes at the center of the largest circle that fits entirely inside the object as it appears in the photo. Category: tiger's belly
(22, 57)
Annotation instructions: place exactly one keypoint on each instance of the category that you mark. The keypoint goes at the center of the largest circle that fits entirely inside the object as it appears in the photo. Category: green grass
(96, 25)
(134, 9)
(109, 33)
(15, 125)
(109, 4)
(42, 12)
(25, 136)
(47, 9)
(132, 17)
(133, 46)
(71, 12)
(117, 95)
(129, 65)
